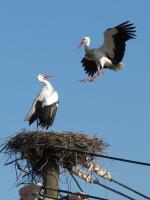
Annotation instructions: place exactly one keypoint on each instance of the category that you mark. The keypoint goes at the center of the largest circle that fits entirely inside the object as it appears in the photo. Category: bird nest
(31, 151)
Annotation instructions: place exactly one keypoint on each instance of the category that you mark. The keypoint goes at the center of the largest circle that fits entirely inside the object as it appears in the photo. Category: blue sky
(41, 37)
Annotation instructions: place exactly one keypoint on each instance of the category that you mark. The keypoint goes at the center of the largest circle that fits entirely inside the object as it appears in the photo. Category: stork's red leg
(103, 71)
(96, 76)
(93, 78)
(88, 79)
(98, 73)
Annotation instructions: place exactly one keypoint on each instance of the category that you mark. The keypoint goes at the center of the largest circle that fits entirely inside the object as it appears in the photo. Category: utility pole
(51, 179)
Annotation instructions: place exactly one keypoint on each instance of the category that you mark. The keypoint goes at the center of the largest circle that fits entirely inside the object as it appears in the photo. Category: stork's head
(40, 77)
(84, 42)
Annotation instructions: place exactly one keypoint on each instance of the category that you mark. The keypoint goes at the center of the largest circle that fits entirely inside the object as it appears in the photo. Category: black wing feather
(36, 113)
(89, 66)
(125, 31)
(47, 115)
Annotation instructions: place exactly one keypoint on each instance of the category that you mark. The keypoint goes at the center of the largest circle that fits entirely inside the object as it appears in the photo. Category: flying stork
(45, 105)
(110, 54)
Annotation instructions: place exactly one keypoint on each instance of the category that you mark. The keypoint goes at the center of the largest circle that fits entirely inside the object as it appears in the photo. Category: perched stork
(45, 105)
(110, 54)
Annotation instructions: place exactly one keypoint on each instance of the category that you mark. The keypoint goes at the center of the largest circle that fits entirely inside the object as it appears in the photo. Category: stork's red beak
(47, 76)
(81, 44)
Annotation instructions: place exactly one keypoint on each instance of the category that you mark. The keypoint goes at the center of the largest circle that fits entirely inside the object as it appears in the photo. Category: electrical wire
(113, 190)
(107, 157)
(129, 188)
(68, 192)
(110, 188)
(76, 182)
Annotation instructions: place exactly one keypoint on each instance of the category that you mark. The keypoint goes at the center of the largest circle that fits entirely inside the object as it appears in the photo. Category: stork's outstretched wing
(115, 39)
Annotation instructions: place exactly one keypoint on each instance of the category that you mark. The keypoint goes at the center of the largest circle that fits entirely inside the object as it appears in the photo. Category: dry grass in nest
(31, 151)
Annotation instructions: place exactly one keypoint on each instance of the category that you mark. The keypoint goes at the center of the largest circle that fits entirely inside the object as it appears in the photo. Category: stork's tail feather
(118, 66)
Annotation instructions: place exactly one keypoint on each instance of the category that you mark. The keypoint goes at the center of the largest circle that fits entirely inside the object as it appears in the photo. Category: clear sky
(41, 36)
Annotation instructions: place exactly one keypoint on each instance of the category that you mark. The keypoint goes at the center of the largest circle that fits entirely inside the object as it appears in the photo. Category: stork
(45, 105)
(110, 54)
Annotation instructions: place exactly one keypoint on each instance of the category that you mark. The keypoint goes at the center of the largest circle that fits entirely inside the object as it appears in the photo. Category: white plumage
(45, 105)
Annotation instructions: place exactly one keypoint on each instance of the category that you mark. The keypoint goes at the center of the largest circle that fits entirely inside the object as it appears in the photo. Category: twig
(8, 163)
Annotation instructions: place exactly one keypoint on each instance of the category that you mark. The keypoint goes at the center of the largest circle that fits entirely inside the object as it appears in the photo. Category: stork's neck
(87, 44)
(87, 48)
(47, 84)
